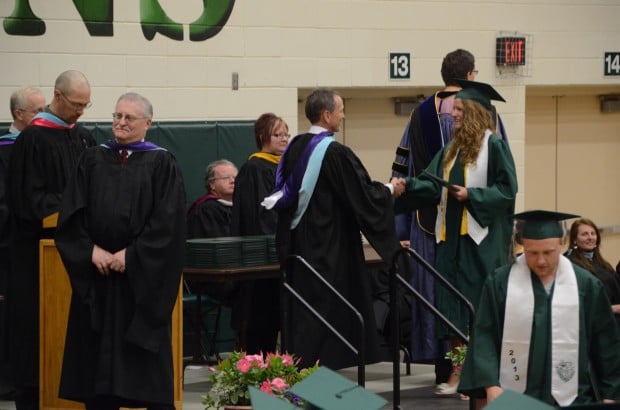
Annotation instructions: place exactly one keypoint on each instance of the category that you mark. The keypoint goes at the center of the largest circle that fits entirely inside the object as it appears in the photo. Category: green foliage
(273, 374)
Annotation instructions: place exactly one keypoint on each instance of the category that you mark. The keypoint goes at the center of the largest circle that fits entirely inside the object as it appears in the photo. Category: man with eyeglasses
(121, 236)
(43, 157)
(210, 217)
(24, 104)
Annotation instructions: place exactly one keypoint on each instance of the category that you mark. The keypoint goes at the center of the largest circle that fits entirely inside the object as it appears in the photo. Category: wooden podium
(54, 301)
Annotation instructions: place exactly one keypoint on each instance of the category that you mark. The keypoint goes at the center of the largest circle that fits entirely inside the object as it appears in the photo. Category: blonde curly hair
(468, 138)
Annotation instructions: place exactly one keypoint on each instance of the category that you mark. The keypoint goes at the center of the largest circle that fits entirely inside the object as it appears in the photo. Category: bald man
(43, 158)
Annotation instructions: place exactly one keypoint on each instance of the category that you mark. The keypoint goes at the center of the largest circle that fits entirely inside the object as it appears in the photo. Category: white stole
(518, 319)
(475, 177)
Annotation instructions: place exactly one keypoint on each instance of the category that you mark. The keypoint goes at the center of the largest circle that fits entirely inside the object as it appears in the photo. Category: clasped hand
(106, 261)
(399, 186)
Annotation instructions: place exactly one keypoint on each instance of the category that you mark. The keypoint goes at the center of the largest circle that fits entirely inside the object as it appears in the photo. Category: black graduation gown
(345, 201)
(209, 220)
(5, 152)
(42, 161)
(119, 331)
(255, 180)
(257, 328)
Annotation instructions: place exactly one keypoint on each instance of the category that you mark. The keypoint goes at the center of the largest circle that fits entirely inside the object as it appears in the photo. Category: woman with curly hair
(585, 251)
(473, 183)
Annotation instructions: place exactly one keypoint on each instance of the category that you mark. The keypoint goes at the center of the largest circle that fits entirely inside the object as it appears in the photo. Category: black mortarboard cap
(482, 93)
(539, 224)
(327, 390)
(263, 401)
(511, 400)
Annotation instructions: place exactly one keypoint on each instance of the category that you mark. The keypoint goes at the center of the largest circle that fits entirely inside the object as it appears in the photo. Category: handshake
(399, 186)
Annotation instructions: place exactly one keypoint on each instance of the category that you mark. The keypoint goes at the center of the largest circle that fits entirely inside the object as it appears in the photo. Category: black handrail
(395, 280)
(288, 289)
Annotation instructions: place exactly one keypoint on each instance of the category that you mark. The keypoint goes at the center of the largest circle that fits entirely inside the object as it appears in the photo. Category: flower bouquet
(273, 374)
(457, 357)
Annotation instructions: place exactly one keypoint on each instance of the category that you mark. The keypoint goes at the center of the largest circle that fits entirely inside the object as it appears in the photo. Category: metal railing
(289, 291)
(396, 283)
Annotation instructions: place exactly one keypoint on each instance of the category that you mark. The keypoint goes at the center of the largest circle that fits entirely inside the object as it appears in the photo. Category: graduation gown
(119, 330)
(458, 258)
(210, 219)
(257, 329)
(255, 180)
(5, 152)
(599, 340)
(345, 201)
(42, 161)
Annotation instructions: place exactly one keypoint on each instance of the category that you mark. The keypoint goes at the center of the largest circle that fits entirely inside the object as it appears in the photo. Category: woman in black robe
(256, 310)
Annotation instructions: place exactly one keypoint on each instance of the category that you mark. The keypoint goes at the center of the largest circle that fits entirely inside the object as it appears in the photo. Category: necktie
(124, 155)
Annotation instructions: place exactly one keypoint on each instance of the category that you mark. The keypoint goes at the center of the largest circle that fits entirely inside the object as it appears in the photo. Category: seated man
(209, 216)
(561, 343)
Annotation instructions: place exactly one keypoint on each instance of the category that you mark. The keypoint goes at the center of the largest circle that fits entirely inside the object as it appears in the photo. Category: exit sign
(400, 66)
(510, 51)
(612, 63)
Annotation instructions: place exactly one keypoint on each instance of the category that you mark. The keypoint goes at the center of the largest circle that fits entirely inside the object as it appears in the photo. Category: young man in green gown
(543, 326)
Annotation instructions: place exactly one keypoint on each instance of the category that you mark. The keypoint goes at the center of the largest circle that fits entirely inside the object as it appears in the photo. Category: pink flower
(244, 365)
(255, 358)
(279, 384)
(287, 360)
(266, 388)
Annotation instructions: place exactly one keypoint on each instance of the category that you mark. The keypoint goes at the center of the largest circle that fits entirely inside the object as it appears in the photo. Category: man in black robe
(121, 235)
(25, 103)
(210, 217)
(322, 224)
(43, 158)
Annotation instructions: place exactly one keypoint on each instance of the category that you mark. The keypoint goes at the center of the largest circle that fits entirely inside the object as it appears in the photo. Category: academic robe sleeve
(255, 181)
(155, 259)
(370, 201)
(421, 191)
(495, 200)
(604, 340)
(73, 240)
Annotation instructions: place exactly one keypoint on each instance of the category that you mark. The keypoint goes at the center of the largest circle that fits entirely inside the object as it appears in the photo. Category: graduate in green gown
(560, 344)
(474, 184)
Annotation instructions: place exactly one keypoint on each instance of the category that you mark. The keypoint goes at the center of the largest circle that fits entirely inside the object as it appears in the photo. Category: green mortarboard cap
(263, 401)
(482, 93)
(328, 390)
(542, 224)
(511, 400)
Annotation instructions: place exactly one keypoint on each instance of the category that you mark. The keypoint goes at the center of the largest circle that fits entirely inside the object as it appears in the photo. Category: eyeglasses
(77, 105)
(228, 177)
(35, 111)
(282, 136)
(475, 71)
(117, 116)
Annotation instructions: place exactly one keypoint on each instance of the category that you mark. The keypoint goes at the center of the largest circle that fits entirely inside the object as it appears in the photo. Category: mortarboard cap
(482, 93)
(263, 401)
(539, 224)
(327, 390)
(511, 400)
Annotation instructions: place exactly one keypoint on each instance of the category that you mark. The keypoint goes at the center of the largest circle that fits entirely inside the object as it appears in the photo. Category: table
(220, 275)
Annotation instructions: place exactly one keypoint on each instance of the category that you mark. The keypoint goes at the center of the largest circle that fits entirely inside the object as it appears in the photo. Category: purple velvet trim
(200, 201)
(290, 186)
(134, 146)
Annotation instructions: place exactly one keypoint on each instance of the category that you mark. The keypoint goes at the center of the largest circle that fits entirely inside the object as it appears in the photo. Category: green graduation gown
(459, 259)
(599, 340)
